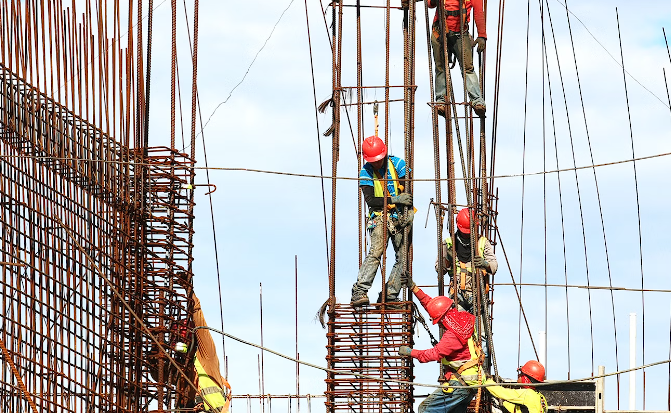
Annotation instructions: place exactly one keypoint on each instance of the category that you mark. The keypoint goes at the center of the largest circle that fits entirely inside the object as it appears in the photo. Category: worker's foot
(391, 303)
(441, 109)
(359, 300)
(479, 109)
(439, 106)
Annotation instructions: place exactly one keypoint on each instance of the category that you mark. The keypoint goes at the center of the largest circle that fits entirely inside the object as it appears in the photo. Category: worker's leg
(450, 401)
(439, 63)
(395, 277)
(372, 261)
(466, 65)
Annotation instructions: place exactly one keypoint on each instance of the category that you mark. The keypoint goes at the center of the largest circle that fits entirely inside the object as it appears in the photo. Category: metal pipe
(600, 388)
(542, 350)
(632, 360)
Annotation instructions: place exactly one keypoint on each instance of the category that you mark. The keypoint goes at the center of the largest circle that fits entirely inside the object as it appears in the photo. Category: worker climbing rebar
(375, 189)
(459, 44)
(484, 262)
(526, 399)
(457, 350)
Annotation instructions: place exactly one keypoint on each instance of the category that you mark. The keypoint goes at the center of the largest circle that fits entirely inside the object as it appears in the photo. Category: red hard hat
(464, 221)
(437, 307)
(533, 369)
(373, 149)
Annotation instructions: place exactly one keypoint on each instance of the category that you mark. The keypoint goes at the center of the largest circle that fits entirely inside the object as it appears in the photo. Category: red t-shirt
(453, 21)
(449, 345)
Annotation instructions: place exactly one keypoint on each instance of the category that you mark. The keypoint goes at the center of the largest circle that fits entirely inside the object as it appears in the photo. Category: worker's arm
(432, 4)
(449, 347)
(517, 396)
(374, 202)
(479, 17)
(490, 257)
(447, 258)
(423, 297)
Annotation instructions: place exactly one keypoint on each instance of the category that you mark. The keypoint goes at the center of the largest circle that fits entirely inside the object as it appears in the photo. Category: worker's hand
(480, 262)
(403, 199)
(407, 220)
(406, 280)
(404, 351)
(481, 42)
(448, 253)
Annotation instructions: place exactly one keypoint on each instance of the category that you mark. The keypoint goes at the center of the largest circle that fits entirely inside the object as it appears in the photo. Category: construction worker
(213, 392)
(457, 350)
(484, 261)
(455, 36)
(212, 386)
(374, 190)
(526, 399)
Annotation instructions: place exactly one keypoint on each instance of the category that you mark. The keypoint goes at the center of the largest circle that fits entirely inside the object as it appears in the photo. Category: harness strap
(211, 390)
(453, 13)
(463, 273)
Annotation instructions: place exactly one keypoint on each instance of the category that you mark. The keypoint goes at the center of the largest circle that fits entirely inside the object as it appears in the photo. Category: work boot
(441, 109)
(390, 304)
(359, 301)
(479, 109)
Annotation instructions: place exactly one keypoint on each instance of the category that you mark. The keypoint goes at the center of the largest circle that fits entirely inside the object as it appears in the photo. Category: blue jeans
(454, 46)
(456, 401)
(371, 263)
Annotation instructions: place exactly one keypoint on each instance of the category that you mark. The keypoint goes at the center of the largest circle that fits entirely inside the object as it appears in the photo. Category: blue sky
(263, 221)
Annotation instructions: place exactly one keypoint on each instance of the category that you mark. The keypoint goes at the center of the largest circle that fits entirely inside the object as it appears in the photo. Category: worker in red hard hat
(525, 399)
(484, 260)
(459, 44)
(399, 215)
(457, 350)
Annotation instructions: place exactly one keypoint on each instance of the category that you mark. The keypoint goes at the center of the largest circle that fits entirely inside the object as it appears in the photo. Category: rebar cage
(366, 341)
(96, 241)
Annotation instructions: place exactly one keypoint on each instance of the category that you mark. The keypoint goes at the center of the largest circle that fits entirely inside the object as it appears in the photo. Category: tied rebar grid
(366, 341)
(75, 208)
(168, 275)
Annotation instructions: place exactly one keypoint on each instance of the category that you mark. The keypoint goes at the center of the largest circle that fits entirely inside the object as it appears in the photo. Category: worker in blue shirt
(374, 190)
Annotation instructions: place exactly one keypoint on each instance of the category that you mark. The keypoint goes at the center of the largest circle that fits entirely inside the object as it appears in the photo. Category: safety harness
(465, 271)
(210, 391)
(382, 190)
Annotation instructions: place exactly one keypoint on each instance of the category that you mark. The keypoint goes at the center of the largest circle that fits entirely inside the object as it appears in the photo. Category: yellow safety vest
(378, 183)
(210, 391)
(481, 247)
(468, 369)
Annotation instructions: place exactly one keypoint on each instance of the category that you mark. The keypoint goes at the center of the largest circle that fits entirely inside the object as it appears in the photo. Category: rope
(593, 377)
(346, 178)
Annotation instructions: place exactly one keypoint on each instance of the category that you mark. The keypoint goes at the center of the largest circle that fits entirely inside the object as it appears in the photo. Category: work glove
(404, 351)
(481, 42)
(407, 220)
(406, 280)
(403, 199)
(480, 262)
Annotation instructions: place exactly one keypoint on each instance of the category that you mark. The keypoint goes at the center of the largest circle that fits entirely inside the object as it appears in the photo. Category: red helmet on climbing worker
(464, 221)
(437, 307)
(374, 149)
(531, 369)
